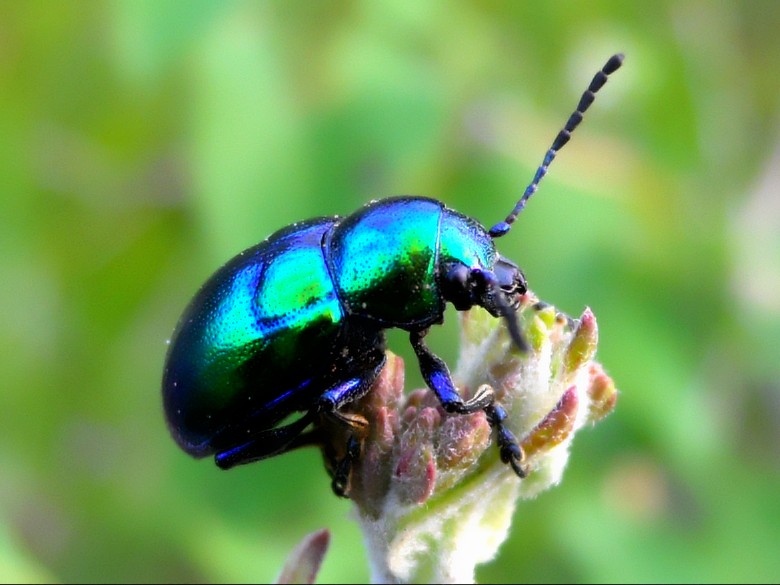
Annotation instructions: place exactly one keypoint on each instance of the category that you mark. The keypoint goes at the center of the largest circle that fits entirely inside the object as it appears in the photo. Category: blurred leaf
(304, 562)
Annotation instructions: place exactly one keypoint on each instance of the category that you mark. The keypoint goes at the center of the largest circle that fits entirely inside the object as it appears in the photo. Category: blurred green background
(143, 143)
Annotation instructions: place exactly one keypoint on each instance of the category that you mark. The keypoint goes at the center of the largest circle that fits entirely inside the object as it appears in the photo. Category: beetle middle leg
(339, 467)
(437, 377)
(357, 425)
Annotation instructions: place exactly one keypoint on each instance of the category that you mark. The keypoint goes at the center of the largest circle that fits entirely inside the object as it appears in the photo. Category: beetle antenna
(563, 137)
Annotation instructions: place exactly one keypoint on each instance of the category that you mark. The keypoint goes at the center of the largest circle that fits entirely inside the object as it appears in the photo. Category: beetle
(296, 323)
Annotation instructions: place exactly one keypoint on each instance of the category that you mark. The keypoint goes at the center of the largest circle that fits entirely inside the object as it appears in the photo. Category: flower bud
(432, 494)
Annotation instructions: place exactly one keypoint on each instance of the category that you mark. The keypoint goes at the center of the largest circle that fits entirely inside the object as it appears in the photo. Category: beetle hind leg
(264, 444)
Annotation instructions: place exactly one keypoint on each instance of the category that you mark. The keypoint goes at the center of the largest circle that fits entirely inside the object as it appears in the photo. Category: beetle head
(495, 290)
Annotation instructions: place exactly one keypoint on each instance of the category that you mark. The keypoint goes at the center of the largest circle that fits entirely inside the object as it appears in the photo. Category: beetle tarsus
(508, 447)
(343, 468)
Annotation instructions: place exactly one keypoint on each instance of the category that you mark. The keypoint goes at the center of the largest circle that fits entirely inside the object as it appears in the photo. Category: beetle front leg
(510, 450)
(437, 377)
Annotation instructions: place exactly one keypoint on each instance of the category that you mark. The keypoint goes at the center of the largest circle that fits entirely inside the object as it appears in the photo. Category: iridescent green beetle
(296, 323)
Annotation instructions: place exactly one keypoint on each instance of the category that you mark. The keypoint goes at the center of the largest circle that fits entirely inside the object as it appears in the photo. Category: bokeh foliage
(144, 142)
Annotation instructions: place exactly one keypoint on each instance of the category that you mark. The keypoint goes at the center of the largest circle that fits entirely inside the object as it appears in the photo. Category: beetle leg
(511, 452)
(343, 468)
(357, 425)
(335, 398)
(264, 444)
(437, 377)
(339, 469)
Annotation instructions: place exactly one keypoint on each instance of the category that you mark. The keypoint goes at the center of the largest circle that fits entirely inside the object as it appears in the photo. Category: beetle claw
(509, 449)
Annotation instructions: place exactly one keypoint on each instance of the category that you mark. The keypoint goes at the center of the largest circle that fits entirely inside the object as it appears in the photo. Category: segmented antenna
(563, 137)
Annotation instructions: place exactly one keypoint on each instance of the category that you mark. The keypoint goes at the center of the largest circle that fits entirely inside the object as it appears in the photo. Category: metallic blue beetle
(296, 323)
